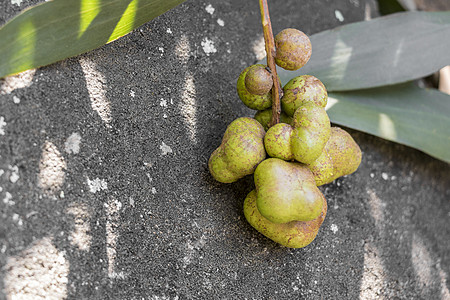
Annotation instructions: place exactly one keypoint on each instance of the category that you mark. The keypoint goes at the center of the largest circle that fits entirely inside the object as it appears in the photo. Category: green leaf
(402, 113)
(383, 51)
(58, 29)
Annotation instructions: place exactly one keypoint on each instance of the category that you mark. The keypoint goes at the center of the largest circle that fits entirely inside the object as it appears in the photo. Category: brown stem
(270, 50)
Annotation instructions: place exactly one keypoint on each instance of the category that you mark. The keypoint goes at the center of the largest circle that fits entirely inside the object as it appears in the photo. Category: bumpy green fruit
(293, 49)
(301, 90)
(258, 102)
(278, 141)
(341, 156)
(265, 116)
(286, 191)
(294, 234)
(241, 150)
(258, 81)
(311, 132)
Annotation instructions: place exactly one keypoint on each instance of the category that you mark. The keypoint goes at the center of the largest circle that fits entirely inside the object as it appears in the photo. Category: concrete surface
(105, 192)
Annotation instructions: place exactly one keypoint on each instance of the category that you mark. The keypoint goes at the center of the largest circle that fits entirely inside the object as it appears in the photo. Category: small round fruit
(258, 102)
(301, 90)
(293, 49)
(277, 141)
(258, 81)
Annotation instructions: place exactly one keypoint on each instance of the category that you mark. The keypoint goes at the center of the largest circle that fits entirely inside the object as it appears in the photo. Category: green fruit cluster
(304, 150)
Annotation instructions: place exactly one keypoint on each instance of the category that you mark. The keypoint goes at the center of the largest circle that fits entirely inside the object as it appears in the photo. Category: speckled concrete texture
(105, 191)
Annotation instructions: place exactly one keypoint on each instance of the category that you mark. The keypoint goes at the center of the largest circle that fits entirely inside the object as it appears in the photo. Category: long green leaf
(402, 113)
(383, 51)
(59, 29)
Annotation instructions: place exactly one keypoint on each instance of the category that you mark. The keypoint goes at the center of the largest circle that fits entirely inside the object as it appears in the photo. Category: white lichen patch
(165, 149)
(16, 2)
(208, 46)
(2, 126)
(334, 228)
(97, 185)
(51, 168)
(7, 199)
(72, 144)
(210, 9)
(339, 15)
(14, 174)
(220, 22)
(16, 99)
(39, 272)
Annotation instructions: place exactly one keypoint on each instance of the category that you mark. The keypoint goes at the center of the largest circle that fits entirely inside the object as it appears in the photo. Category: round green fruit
(286, 191)
(293, 49)
(258, 102)
(301, 90)
(241, 150)
(295, 234)
(258, 81)
(278, 141)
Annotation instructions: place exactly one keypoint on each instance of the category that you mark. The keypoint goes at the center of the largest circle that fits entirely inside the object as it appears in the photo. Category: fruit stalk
(271, 51)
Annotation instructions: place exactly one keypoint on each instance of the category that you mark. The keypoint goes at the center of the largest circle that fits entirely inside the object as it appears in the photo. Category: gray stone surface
(105, 192)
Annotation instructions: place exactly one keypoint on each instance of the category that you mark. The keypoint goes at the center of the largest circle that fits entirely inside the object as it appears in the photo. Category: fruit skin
(258, 102)
(341, 156)
(301, 90)
(258, 81)
(295, 234)
(241, 150)
(286, 191)
(265, 116)
(293, 49)
(311, 132)
(278, 141)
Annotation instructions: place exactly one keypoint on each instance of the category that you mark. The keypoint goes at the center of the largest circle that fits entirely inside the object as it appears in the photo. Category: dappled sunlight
(386, 127)
(88, 11)
(398, 52)
(373, 279)
(377, 207)
(445, 293)
(183, 49)
(259, 48)
(23, 56)
(80, 235)
(95, 84)
(331, 102)
(52, 168)
(188, 106)
(112, 208)
(340, 59)
(38, 272)
(421, 261)
(126, 23)
(19, 81)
